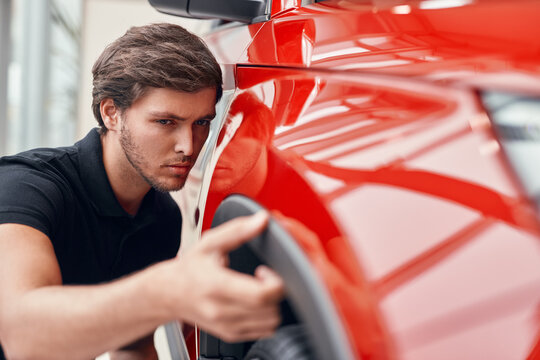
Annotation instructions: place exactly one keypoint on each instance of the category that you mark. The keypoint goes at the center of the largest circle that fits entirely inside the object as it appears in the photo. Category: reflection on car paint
(361, 124)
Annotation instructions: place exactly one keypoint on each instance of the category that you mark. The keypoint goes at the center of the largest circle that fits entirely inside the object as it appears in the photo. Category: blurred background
(47, 49)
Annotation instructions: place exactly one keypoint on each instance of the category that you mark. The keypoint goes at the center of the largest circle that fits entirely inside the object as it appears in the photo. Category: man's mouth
(223, 165)
(179, 169)
(221, 170)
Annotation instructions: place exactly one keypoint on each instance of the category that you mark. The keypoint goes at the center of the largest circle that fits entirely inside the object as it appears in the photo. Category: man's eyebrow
(167, 115)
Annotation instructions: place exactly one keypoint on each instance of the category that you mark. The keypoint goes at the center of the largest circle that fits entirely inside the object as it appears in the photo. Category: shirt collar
(96, 182)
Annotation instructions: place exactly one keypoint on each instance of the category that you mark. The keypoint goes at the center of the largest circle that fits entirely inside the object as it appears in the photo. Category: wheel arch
(305, 292)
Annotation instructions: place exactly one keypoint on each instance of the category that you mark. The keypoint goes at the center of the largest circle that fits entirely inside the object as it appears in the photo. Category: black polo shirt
(65, 193)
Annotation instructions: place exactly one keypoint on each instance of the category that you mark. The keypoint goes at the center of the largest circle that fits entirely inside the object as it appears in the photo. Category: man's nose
(184, 140)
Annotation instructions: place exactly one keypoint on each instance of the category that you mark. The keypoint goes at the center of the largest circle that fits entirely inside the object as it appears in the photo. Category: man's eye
(202, 122)
(164, 122)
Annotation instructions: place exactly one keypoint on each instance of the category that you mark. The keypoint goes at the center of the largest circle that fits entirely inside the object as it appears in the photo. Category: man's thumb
(272, 282)
(230, 235)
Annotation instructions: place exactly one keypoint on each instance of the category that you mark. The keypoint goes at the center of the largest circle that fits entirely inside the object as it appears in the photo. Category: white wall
(103, 22)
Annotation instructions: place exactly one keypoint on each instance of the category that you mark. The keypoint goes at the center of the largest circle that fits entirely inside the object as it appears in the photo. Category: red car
(397, 144)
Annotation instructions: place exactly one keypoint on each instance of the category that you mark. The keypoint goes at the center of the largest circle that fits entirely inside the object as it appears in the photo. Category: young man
(89, 235)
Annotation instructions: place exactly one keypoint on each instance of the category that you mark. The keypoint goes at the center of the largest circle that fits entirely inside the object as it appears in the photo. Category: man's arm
(41, 319)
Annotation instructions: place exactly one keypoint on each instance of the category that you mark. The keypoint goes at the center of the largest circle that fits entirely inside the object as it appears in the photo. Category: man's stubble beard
(134, 157)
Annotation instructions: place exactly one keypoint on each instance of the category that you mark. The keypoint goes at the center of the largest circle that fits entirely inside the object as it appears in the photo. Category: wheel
(288, 343)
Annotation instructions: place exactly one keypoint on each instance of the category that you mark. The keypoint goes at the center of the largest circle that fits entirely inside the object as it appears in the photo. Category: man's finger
(234, 233)
(256, 327)
(249, 290)
(235, 314)
(247, 325)
(272, 282)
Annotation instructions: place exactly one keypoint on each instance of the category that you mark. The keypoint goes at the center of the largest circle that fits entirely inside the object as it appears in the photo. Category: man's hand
(230, 305)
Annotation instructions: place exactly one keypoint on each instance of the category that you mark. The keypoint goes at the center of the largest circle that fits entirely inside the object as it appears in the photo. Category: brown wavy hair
(157, 55)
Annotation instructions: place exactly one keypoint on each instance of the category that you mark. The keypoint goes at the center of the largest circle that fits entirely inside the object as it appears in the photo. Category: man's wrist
(157, 293)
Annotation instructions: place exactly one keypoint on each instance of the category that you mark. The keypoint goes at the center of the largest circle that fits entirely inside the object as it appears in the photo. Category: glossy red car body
(375, 138)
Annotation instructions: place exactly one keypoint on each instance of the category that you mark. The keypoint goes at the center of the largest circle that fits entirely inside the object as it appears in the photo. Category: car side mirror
(246, 11)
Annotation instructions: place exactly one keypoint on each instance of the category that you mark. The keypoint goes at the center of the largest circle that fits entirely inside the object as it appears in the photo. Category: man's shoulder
(58, 166)
(50, 158)
(35, 187)
(40, 158)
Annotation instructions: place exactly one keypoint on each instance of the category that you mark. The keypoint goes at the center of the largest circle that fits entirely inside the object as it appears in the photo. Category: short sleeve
(30, 196)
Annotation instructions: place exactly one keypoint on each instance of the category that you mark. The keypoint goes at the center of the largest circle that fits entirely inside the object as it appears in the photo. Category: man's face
(229, 173)
(163, 132)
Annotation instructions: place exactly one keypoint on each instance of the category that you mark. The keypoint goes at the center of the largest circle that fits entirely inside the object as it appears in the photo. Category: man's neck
(128, 186)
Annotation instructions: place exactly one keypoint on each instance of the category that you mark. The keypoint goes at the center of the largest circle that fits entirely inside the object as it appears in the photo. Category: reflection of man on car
(242, 167)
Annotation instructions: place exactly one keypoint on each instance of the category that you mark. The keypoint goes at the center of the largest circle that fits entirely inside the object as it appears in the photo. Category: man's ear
(110, 114)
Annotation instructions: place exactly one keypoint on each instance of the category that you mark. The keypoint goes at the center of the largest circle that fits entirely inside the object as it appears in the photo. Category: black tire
(288, 343)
